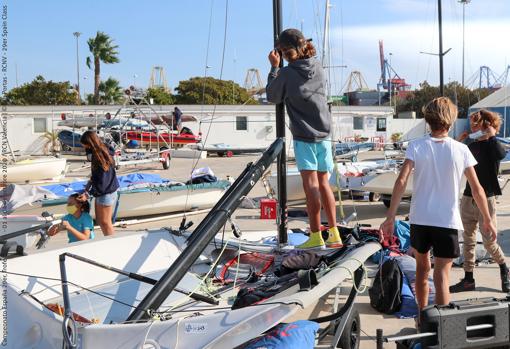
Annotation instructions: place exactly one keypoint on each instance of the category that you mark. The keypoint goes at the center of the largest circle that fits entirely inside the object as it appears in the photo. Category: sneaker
(314, 242)
(505, 282)
(334, 240)
(463, 286)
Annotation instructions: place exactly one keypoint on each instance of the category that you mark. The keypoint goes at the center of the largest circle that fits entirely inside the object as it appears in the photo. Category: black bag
(385, 293)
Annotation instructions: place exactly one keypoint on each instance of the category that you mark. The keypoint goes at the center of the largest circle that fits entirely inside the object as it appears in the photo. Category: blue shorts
(107, 199)
(314, 156)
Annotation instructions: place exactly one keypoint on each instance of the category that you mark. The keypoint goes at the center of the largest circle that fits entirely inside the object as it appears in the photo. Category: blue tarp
(402, 231)
(296, 335)
(130, 180)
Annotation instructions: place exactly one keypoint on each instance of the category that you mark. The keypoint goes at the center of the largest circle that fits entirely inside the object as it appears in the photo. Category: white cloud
(486, 44)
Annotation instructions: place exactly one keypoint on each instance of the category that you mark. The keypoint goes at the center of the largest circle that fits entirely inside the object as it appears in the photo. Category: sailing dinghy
(118, 292)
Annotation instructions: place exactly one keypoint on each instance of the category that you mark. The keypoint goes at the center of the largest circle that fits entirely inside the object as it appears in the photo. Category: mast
(441, 54)
(281, 167)
(205, 232)
(326, 61)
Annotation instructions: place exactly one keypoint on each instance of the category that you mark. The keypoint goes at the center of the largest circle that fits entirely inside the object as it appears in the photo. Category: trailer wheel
(351, 336)
(387, 202)
(221, 154)
(373, 197)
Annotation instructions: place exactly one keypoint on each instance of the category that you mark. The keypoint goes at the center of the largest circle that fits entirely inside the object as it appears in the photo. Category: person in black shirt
(103, 183)
(488, 152)
(177, 113)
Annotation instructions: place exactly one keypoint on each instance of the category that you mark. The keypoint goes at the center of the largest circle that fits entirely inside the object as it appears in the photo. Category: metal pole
(440, 20)
(77, 35)
(463, 37)
(280, 133)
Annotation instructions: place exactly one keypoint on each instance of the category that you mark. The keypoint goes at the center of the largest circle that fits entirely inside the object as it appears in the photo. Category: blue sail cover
(133, 180)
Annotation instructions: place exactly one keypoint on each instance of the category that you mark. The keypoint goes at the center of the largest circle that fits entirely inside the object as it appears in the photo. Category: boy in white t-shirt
(439, 163)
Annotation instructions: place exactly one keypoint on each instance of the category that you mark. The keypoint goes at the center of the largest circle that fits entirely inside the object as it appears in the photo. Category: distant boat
(36, 169)
(352, 176)
(352, 149)
(70, 140)
(164, 138)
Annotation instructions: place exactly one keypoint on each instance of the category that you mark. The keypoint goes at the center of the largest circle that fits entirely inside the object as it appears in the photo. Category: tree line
(103, 50)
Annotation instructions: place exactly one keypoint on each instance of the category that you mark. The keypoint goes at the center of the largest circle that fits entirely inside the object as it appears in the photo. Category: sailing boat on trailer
(96, 297)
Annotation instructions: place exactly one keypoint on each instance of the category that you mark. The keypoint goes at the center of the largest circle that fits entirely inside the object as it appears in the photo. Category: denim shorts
(107, 199)
(314, 156)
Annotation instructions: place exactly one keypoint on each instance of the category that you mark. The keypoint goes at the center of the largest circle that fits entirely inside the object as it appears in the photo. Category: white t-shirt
(439, 164)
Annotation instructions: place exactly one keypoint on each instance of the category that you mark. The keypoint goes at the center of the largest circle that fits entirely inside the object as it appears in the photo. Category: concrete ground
(487, 275)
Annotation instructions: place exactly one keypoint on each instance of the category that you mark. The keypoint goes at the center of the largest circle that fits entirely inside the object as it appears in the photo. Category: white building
(240, 125)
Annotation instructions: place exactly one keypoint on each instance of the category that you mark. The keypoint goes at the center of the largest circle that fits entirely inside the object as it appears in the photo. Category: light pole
(77, 35)
(464, 3)
(84, 94)
(134, 79)
(389, 78)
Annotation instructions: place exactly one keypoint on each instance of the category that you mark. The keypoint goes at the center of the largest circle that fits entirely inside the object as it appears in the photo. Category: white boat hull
(33, 170)
(16, 223)
(159, 202)
(30, 324)
(145, 203)
(383, 184)
(351, 177)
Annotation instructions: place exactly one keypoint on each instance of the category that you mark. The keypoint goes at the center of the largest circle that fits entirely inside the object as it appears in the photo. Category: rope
(351, 273)
(197, 159)
(201, 283)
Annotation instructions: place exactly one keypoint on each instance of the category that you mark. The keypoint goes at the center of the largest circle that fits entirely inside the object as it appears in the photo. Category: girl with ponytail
(103, 183)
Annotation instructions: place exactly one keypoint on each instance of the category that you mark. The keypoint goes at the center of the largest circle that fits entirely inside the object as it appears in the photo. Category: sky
(175, 34)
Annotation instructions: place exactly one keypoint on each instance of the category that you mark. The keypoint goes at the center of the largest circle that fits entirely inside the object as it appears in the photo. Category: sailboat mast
(326, 62)
(281, 167)
(441, 54)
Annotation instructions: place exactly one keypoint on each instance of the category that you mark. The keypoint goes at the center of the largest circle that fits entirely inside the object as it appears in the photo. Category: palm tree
(110, 91)
(103, 50)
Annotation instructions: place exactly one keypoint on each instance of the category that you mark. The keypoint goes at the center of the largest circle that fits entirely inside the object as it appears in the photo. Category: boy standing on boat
(488, 152)
(301, 85)
(439, 163)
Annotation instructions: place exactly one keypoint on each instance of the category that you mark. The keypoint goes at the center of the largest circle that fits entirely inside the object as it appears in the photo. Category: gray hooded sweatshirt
(301, 85)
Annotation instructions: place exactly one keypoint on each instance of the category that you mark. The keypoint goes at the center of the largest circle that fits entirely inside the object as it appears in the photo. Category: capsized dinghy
(118, 293)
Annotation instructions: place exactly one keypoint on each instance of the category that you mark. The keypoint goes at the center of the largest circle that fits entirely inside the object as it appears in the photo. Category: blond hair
(440, 113)
(485, 118)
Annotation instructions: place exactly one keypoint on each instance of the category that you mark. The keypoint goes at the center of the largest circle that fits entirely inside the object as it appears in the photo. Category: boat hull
(32, 325)
(152, 138)
(33, 170)
(154, 202)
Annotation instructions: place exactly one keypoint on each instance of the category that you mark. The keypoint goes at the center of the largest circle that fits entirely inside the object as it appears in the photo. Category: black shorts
(444, 241)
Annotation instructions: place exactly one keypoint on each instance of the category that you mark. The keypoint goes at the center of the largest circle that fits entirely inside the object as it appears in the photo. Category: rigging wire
(196, 160)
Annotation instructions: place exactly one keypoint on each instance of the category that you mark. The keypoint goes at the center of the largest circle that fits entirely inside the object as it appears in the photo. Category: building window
(381, 124)
(40, 125)
(357, 123)
(241, 123)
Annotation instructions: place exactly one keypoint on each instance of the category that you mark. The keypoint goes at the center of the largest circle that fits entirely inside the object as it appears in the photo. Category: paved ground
(487, 275)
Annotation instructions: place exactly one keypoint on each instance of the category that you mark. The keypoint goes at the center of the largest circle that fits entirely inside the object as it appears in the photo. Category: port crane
(390, 80)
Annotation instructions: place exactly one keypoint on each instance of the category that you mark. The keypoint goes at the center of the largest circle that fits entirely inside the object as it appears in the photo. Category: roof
(500, 98)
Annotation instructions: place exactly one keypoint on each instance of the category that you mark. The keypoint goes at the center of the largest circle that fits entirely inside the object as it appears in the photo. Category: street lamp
(134, 79)
(77, 35)
(84, 94)
(389, 78)
(464, 3)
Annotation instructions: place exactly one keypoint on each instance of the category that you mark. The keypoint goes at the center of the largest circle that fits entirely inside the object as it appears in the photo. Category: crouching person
(77, 222)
